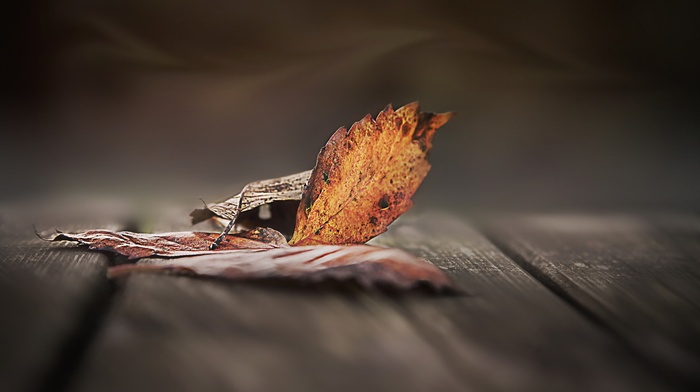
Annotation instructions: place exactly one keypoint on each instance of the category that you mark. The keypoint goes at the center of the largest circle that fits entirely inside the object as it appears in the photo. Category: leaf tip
(411, 107)
(447, 116)
(440, 119)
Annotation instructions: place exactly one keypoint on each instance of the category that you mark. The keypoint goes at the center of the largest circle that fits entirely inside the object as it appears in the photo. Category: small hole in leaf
(264, 213)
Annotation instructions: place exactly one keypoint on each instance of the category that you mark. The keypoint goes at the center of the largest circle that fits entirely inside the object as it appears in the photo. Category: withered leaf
(138, 245)
(254, 195)
(365, 176)
(363, 180)
(369, 266)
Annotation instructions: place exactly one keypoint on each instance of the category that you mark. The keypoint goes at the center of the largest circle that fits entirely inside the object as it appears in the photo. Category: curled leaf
(365, 176)
(138, 245)
(369, 266)
(254, 195)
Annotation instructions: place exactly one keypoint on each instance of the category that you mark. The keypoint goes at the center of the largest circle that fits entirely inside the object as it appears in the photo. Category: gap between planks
(53, 300)
(624, 254)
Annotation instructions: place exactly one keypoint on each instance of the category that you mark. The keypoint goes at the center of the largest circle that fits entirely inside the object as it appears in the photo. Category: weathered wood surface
(509, 332)
(49, 296)
(638, 277)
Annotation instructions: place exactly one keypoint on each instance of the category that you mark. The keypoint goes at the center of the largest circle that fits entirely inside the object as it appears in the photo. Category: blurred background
(562, 105)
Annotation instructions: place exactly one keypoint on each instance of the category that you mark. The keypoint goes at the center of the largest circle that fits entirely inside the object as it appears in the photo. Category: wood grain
(49, 297)
(509, 332)
(638, 277)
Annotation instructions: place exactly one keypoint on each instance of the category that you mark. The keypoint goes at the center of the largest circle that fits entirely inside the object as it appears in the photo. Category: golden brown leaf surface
(364, 177)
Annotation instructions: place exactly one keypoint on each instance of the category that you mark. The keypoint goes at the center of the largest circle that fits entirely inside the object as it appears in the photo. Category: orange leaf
(364, 177)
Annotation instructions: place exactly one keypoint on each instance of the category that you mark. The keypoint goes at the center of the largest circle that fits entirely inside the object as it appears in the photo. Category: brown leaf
(369, 266)
(365, 177)
(137, 245)
(257, 194)
(278, 215)
(363, 180)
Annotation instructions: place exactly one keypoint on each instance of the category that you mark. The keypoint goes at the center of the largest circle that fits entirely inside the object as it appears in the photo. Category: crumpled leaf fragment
(365, 176)
(278, 215)
(369, 266)
(254, 195)
(178, 244)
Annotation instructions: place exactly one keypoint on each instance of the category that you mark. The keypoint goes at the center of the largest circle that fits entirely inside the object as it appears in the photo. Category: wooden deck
(606, 302)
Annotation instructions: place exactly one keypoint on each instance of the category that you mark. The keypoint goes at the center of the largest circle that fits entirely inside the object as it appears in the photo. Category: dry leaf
(282, 194)
(278, 215)
(369, 266)
(137, 245)
(264, 254)
(363, 180)
(365, 177)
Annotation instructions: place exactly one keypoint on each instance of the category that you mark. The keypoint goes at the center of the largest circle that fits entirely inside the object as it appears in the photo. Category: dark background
(562, 104)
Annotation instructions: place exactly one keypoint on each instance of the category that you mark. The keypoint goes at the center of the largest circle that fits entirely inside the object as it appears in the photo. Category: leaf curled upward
(365, 176)
(254, 195)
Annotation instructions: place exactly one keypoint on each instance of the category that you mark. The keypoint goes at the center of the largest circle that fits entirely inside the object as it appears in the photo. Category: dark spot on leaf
(423, 124)
(317, 232)
(373, 220)
(405, 129)
(325, 177)
(422, 144)
(384, 202)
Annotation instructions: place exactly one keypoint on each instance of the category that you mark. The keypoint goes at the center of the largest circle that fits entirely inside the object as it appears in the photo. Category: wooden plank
(637, 277)
(179, 333)
(50, 299)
